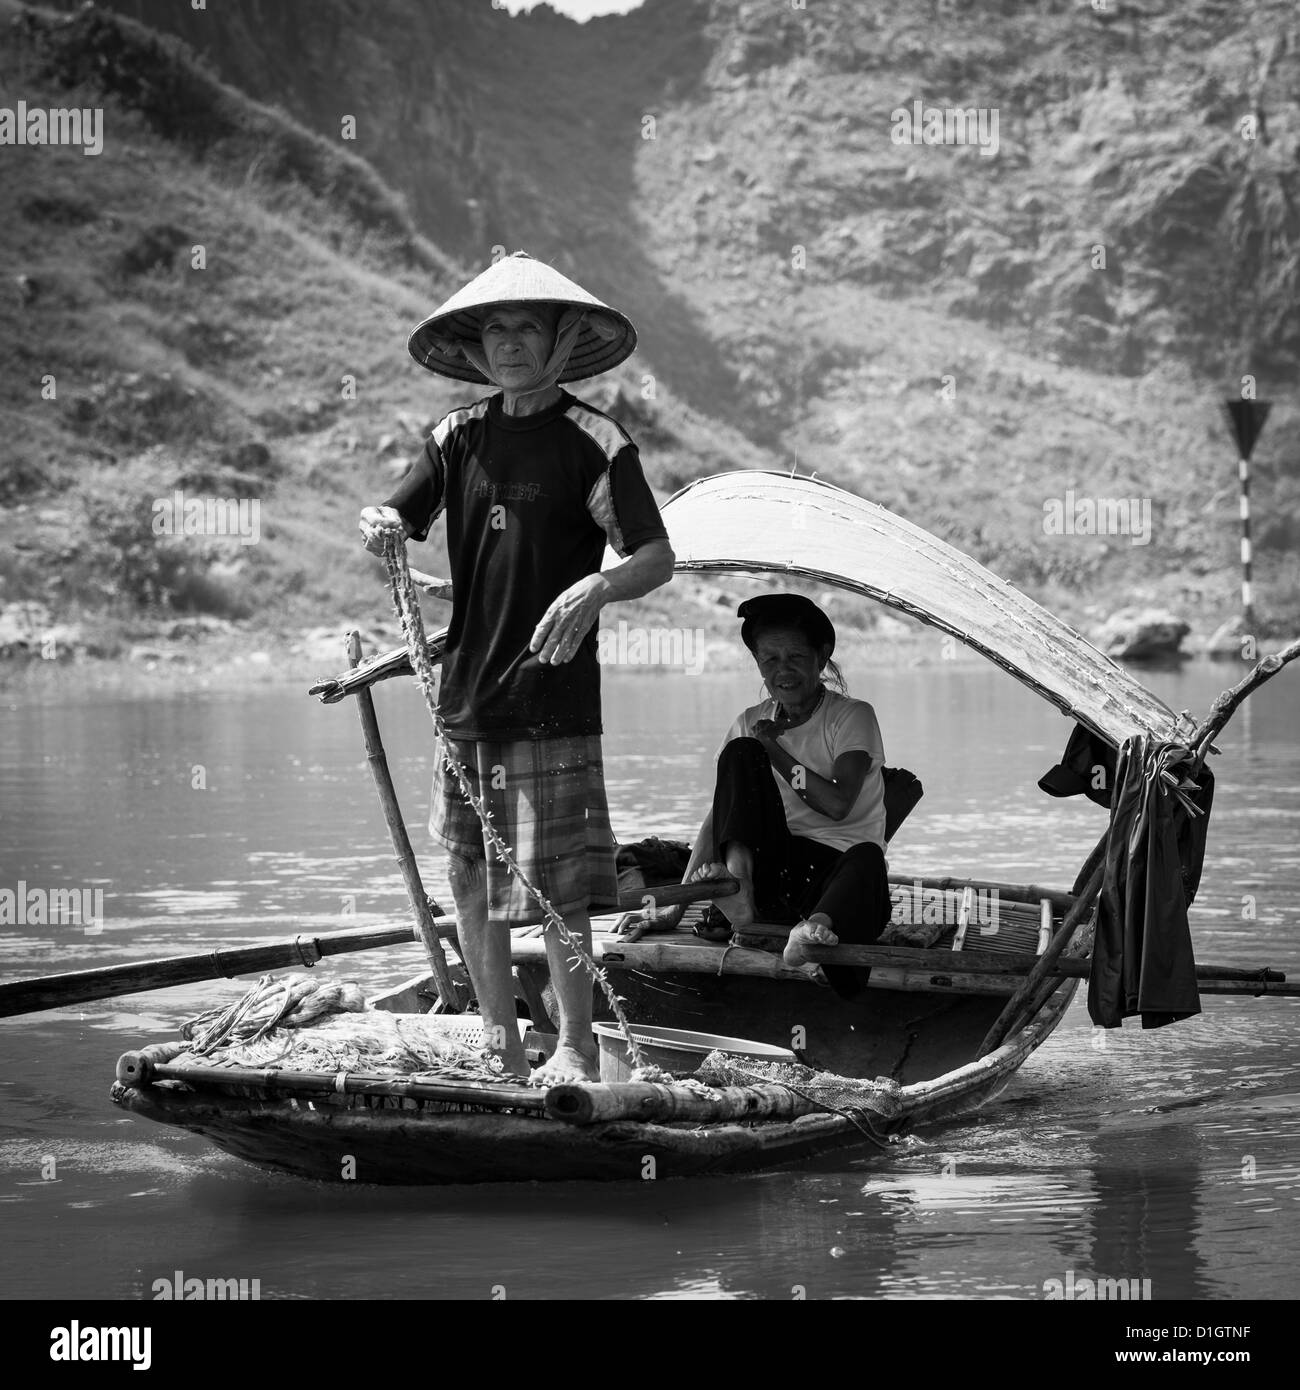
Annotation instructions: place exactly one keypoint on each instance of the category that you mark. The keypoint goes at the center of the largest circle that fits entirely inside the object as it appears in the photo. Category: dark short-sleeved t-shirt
(531, 502)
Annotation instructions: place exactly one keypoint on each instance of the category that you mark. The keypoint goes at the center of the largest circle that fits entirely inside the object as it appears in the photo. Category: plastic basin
(673, 1049)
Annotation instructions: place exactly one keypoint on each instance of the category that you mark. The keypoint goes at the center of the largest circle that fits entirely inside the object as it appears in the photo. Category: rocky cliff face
(499, 132)
(693, 142)
(1050, 295)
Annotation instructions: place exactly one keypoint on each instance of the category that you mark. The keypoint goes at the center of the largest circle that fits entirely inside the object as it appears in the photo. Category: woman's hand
(769, 730)
(378, 522)
(566, 622)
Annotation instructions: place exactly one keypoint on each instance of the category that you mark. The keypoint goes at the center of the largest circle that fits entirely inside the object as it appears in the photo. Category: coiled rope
(407, 605)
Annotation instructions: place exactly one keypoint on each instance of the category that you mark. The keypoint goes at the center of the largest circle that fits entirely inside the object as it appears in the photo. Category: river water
(211, 820)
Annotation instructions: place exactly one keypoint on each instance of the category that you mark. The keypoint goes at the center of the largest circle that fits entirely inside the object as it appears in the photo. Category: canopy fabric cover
(761, 522)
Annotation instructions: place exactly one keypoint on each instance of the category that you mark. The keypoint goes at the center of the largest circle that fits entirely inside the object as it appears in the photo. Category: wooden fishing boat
(942, 1026)
(440, 1134)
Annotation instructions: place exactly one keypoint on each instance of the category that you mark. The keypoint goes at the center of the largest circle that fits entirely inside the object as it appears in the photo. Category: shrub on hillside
(119, 561)
(153, 248)
(140, 410)
(21, 478)
(165, 81)
(63, 210)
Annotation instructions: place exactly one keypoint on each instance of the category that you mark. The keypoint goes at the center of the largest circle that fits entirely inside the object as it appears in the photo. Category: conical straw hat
(606, 338)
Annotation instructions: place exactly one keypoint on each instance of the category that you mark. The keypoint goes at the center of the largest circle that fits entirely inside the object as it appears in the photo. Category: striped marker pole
(1247, 607)
(1247, 420)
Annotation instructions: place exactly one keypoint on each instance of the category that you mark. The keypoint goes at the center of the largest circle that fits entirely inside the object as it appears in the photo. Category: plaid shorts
(546, 798)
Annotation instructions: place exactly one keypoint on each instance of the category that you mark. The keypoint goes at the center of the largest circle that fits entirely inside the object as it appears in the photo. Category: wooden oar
(136, 977)
(81, 986)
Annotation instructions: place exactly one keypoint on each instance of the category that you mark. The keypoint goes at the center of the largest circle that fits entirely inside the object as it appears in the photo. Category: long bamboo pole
(109, 981)
(83, 986)
(136, 977)
(420, 909)
(693, 958)
(1028, 894)
(1017, 963)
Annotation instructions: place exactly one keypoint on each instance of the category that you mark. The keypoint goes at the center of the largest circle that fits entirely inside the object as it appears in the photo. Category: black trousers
(793, 875)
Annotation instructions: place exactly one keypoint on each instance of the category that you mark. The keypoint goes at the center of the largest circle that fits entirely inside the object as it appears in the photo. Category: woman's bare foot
(802, 936)
(566, 1065)
(737, 907)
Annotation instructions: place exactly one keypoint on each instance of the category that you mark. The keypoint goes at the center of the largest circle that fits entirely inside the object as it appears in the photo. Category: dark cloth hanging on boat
(1087, 766)
(1142, 959)
(660, 861)
(903, 790)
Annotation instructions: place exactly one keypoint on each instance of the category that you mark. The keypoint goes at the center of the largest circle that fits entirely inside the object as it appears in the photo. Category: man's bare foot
(804, 935)
(737, 907)
(514, 1062)
(566, 1065)
(504, 1044)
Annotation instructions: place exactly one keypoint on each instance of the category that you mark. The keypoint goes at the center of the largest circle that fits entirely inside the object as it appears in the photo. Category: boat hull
(882, 1032)
(347, 1139)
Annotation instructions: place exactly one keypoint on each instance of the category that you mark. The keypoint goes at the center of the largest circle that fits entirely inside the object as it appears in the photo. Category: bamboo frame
(1075, 918)
(1029, 894)
(592, 1102)
(271, 1079)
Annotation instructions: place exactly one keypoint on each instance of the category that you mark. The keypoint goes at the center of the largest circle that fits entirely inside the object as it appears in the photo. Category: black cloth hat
(786, 610)
(1087, 766)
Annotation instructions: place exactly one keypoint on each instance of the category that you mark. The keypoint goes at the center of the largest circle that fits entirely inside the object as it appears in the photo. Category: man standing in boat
(533, 483)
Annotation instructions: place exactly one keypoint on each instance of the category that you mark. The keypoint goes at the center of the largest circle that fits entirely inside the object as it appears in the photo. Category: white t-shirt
(838, 725)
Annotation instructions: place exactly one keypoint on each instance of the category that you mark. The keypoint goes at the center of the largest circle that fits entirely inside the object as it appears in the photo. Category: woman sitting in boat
(798, 814)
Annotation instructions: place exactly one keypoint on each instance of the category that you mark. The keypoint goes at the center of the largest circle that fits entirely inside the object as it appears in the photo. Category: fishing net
(297, 1024)
(290, 1001)
(374, 1041)
(840, 1094)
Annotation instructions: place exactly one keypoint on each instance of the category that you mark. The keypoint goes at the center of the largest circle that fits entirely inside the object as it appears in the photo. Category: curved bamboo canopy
(762, 522)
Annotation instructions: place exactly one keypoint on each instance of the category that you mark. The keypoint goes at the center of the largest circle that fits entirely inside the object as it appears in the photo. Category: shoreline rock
(1143, 634)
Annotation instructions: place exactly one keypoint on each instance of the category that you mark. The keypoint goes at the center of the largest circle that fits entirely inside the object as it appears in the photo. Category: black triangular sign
(1247, 419)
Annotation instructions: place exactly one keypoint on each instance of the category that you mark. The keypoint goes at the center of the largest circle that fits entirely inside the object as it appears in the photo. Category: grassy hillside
(920, 324)
(276, 371)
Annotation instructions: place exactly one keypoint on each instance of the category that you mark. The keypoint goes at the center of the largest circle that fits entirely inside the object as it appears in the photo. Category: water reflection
(1169, 1156)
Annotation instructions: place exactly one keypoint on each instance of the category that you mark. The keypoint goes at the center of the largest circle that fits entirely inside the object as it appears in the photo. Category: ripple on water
(1168, 1155)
